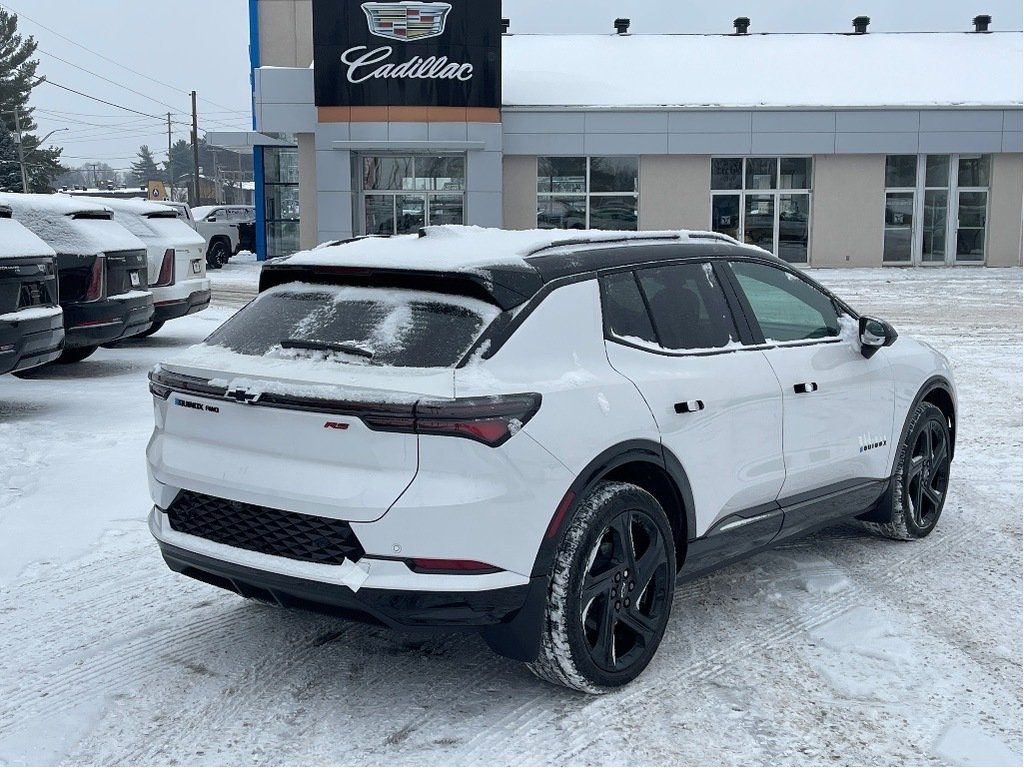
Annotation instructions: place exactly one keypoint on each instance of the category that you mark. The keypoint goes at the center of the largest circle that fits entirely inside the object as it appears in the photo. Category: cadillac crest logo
(406, 21)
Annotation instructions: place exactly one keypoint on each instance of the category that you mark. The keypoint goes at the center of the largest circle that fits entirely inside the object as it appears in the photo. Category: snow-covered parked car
(101, 269)
(176, 259)
(535, 434)
(31, 320)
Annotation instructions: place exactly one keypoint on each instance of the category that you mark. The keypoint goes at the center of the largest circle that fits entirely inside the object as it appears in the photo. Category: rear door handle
(805, 387)
(690, 406)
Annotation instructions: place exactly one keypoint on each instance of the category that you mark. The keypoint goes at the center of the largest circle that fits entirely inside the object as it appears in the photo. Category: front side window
(402, 193)
(674, 308)
(786, 307)
(587, 193)
(764, 201)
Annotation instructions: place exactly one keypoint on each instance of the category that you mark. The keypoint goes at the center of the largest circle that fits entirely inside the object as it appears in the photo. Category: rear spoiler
(503, 286)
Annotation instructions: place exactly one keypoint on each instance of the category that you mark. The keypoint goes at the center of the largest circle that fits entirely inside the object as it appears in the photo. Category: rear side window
(625, 314)
(688, 307)
(357, 326)
(786, 307)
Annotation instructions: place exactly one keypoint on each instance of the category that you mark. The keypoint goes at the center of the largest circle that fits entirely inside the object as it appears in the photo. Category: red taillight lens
(489, 420)
(431, 565)
(96, 279)
(166, 270)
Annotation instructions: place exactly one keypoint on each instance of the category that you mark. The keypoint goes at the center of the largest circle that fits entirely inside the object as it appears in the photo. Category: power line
(104, 101)
(106, 58)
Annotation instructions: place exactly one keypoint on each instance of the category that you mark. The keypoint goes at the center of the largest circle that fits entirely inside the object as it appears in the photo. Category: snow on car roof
(16, 240)
(772, 70)
(139, 207)
(467, 248)
(50, 217)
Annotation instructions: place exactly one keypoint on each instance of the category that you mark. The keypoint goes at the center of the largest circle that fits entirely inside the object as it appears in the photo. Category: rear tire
(611, 591)
(921, 479)
(74, 355)
(150, 331)
(217, 254)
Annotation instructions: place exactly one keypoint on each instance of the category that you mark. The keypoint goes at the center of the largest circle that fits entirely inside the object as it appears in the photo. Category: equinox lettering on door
(445, 54)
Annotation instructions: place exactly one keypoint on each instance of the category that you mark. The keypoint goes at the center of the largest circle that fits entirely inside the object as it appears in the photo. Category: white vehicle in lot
(176, 256)
(535, 434)
(223, 239)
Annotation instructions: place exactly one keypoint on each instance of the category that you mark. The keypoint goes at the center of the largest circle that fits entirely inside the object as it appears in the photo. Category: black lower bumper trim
(33, 342)
(444, 611)
(93, 324)
(170, 310)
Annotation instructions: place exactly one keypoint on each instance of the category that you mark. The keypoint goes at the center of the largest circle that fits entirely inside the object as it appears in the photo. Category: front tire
(611, 591)
(921, 479)
(217, 254)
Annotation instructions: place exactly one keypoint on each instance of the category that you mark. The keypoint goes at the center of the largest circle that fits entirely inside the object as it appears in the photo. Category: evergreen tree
(10, 171)
(145, 168)
(17, 78)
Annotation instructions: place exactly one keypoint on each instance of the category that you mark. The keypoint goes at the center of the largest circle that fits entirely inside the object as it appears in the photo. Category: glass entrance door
(971, 218)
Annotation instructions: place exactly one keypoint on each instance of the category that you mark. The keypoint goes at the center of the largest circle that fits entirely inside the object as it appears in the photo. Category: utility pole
(21, 153)
(170, 161)
(195, 150)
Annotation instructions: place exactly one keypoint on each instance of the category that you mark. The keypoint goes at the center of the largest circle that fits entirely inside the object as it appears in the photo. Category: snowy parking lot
(842, 648)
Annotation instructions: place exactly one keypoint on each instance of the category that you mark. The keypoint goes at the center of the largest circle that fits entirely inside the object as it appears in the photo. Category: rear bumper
(394, 608)
(32, 342)
(196, 301)
(101, 322)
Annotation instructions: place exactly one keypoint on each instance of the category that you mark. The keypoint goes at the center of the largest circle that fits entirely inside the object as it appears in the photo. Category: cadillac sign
(407, 53)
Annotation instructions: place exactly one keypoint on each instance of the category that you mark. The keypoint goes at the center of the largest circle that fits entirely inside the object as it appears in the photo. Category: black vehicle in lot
(31, 320)
(101, 270)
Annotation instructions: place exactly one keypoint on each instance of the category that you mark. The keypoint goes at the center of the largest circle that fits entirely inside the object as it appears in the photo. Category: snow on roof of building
(906, 69)
(466, 248)
(52, 217)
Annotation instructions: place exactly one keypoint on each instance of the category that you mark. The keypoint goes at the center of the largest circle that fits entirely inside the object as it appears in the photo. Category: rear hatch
(28, 275)
(306, 399)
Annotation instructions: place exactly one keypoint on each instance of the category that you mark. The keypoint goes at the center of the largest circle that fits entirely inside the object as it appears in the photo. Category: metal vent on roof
(742, 24)
(622, 26)
(505, 24)
(860, 25)
(981, 22)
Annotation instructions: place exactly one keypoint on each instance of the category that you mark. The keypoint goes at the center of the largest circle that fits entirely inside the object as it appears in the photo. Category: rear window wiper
(326, 346)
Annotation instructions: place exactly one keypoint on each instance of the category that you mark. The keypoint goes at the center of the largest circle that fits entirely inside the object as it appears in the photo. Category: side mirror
(875, 334)
(212, 219)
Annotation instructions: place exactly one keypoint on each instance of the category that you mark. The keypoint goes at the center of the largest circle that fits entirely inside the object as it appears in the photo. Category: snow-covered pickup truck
(221, 233)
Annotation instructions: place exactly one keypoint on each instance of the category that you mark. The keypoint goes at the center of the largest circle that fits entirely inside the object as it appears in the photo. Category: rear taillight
(96, 279)
(488, 420)
(166, 276)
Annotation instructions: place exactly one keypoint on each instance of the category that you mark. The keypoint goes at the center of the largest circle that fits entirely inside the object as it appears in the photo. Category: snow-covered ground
(842, 648)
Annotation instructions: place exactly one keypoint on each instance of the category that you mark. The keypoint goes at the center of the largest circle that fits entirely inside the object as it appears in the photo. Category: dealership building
(853, 148)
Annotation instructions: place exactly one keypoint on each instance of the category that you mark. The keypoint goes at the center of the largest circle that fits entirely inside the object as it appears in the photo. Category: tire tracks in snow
(606, 712)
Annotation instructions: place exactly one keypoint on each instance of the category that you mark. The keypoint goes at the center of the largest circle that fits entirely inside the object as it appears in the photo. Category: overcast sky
(203, 45)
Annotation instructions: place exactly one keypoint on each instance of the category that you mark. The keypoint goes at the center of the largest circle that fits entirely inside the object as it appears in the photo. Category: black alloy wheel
(928, 473)
(626, 589)
(921, 478)
(217, 254)
(610, 593)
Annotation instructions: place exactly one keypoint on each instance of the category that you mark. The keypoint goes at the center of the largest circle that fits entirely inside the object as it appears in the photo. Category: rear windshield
(357, 326)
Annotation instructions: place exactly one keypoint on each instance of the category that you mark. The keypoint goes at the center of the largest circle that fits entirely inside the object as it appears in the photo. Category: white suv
(535, 436)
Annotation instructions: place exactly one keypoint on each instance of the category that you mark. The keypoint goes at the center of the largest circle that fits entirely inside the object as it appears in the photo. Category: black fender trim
(628, 452)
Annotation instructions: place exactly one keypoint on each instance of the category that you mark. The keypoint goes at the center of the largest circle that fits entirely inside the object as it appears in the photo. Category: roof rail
(683, 234)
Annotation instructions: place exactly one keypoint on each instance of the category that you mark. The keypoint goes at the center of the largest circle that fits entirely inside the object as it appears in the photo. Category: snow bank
(50, 218)
(16, 240)
(777, 70)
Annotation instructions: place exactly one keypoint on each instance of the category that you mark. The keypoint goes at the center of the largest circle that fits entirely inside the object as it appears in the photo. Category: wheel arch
(644, 463)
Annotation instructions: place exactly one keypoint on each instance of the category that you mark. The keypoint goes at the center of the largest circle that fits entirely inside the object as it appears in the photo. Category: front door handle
(806, 387)
(690, 406)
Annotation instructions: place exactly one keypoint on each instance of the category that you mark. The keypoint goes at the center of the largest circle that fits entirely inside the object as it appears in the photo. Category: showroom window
(587, 193)
(401, 193)
(936, 208)
(764, 201)
(281, 199)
